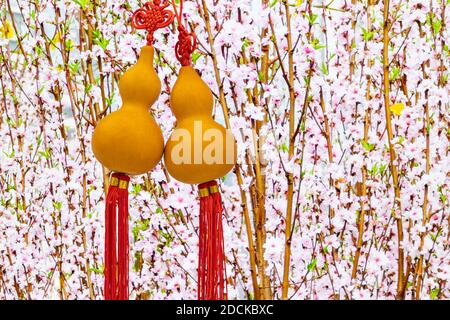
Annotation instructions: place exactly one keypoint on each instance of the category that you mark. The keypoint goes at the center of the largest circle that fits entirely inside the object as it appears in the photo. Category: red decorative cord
(123, 245)
(151, 17)
(110, 285)
(116, 239)
(211, 283)
(187, 42)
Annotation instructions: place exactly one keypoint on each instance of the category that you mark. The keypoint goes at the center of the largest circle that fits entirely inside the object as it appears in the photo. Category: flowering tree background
(341, 111)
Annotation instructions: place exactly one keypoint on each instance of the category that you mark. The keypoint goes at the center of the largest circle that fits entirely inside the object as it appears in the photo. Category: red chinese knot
(187, 42)
(151, 17)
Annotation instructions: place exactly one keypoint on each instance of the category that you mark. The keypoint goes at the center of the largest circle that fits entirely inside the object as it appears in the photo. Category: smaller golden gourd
(199, 149)
(129, 140)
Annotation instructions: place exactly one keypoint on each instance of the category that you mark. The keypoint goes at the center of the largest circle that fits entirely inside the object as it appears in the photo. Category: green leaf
(395, 72)
(88, 88)
(443, 198)
(302, 127)
(312, 264)
(445, 78)
(373, 171)
(245, 44)
(274, 2)
(10, 122)
(325, 267)
(436, 25)
(306, 80)
(99, 270)
(367, 35)
(382, 169)
(82, 3)
(39, 50)
(100, 40)
(103, 43)
(434, 293)
(319, 46)
(57, 205)
(74, 67)
(195, 56)
(46, 153)
(435, 236)
(324, 68)
(138, 227)
(109, 101)
(69, 44)
(40, 90)
(260, 76)
(167, 236)
(311, 18)
(367, 146)
(136, 189)
(137, 265)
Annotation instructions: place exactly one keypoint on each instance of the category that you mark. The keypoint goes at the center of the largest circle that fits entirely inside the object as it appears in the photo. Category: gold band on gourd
(114, 181)
(213, 189)
(123, 184)
(203, 192)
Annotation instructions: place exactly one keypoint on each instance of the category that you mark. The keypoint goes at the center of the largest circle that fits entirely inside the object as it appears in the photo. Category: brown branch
(397, 210)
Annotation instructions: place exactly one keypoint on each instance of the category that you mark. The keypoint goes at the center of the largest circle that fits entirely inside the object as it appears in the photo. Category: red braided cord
(151, 17)
(187, 42)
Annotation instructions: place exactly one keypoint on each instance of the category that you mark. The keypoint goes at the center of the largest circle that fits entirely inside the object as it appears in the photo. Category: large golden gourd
(199, 149)
(129, 140)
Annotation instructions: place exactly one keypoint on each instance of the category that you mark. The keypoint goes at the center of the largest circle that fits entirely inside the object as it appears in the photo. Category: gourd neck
(191, 96)
(147, 55)
(188, 71)
(135, 105)
(140, 85)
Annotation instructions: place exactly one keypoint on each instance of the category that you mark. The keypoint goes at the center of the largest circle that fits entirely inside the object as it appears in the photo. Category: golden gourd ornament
(129, 142)
(199, 151)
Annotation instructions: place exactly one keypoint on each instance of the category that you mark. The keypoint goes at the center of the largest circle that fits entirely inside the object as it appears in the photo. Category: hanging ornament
(199, 151)
(129, 142)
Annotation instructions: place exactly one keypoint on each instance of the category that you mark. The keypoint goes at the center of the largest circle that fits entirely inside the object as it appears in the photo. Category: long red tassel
(116, 239)
(211, 262)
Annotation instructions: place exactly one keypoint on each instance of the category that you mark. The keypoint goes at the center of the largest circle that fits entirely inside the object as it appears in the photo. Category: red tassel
(211, 262)
(116, 239)
(110, 240)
